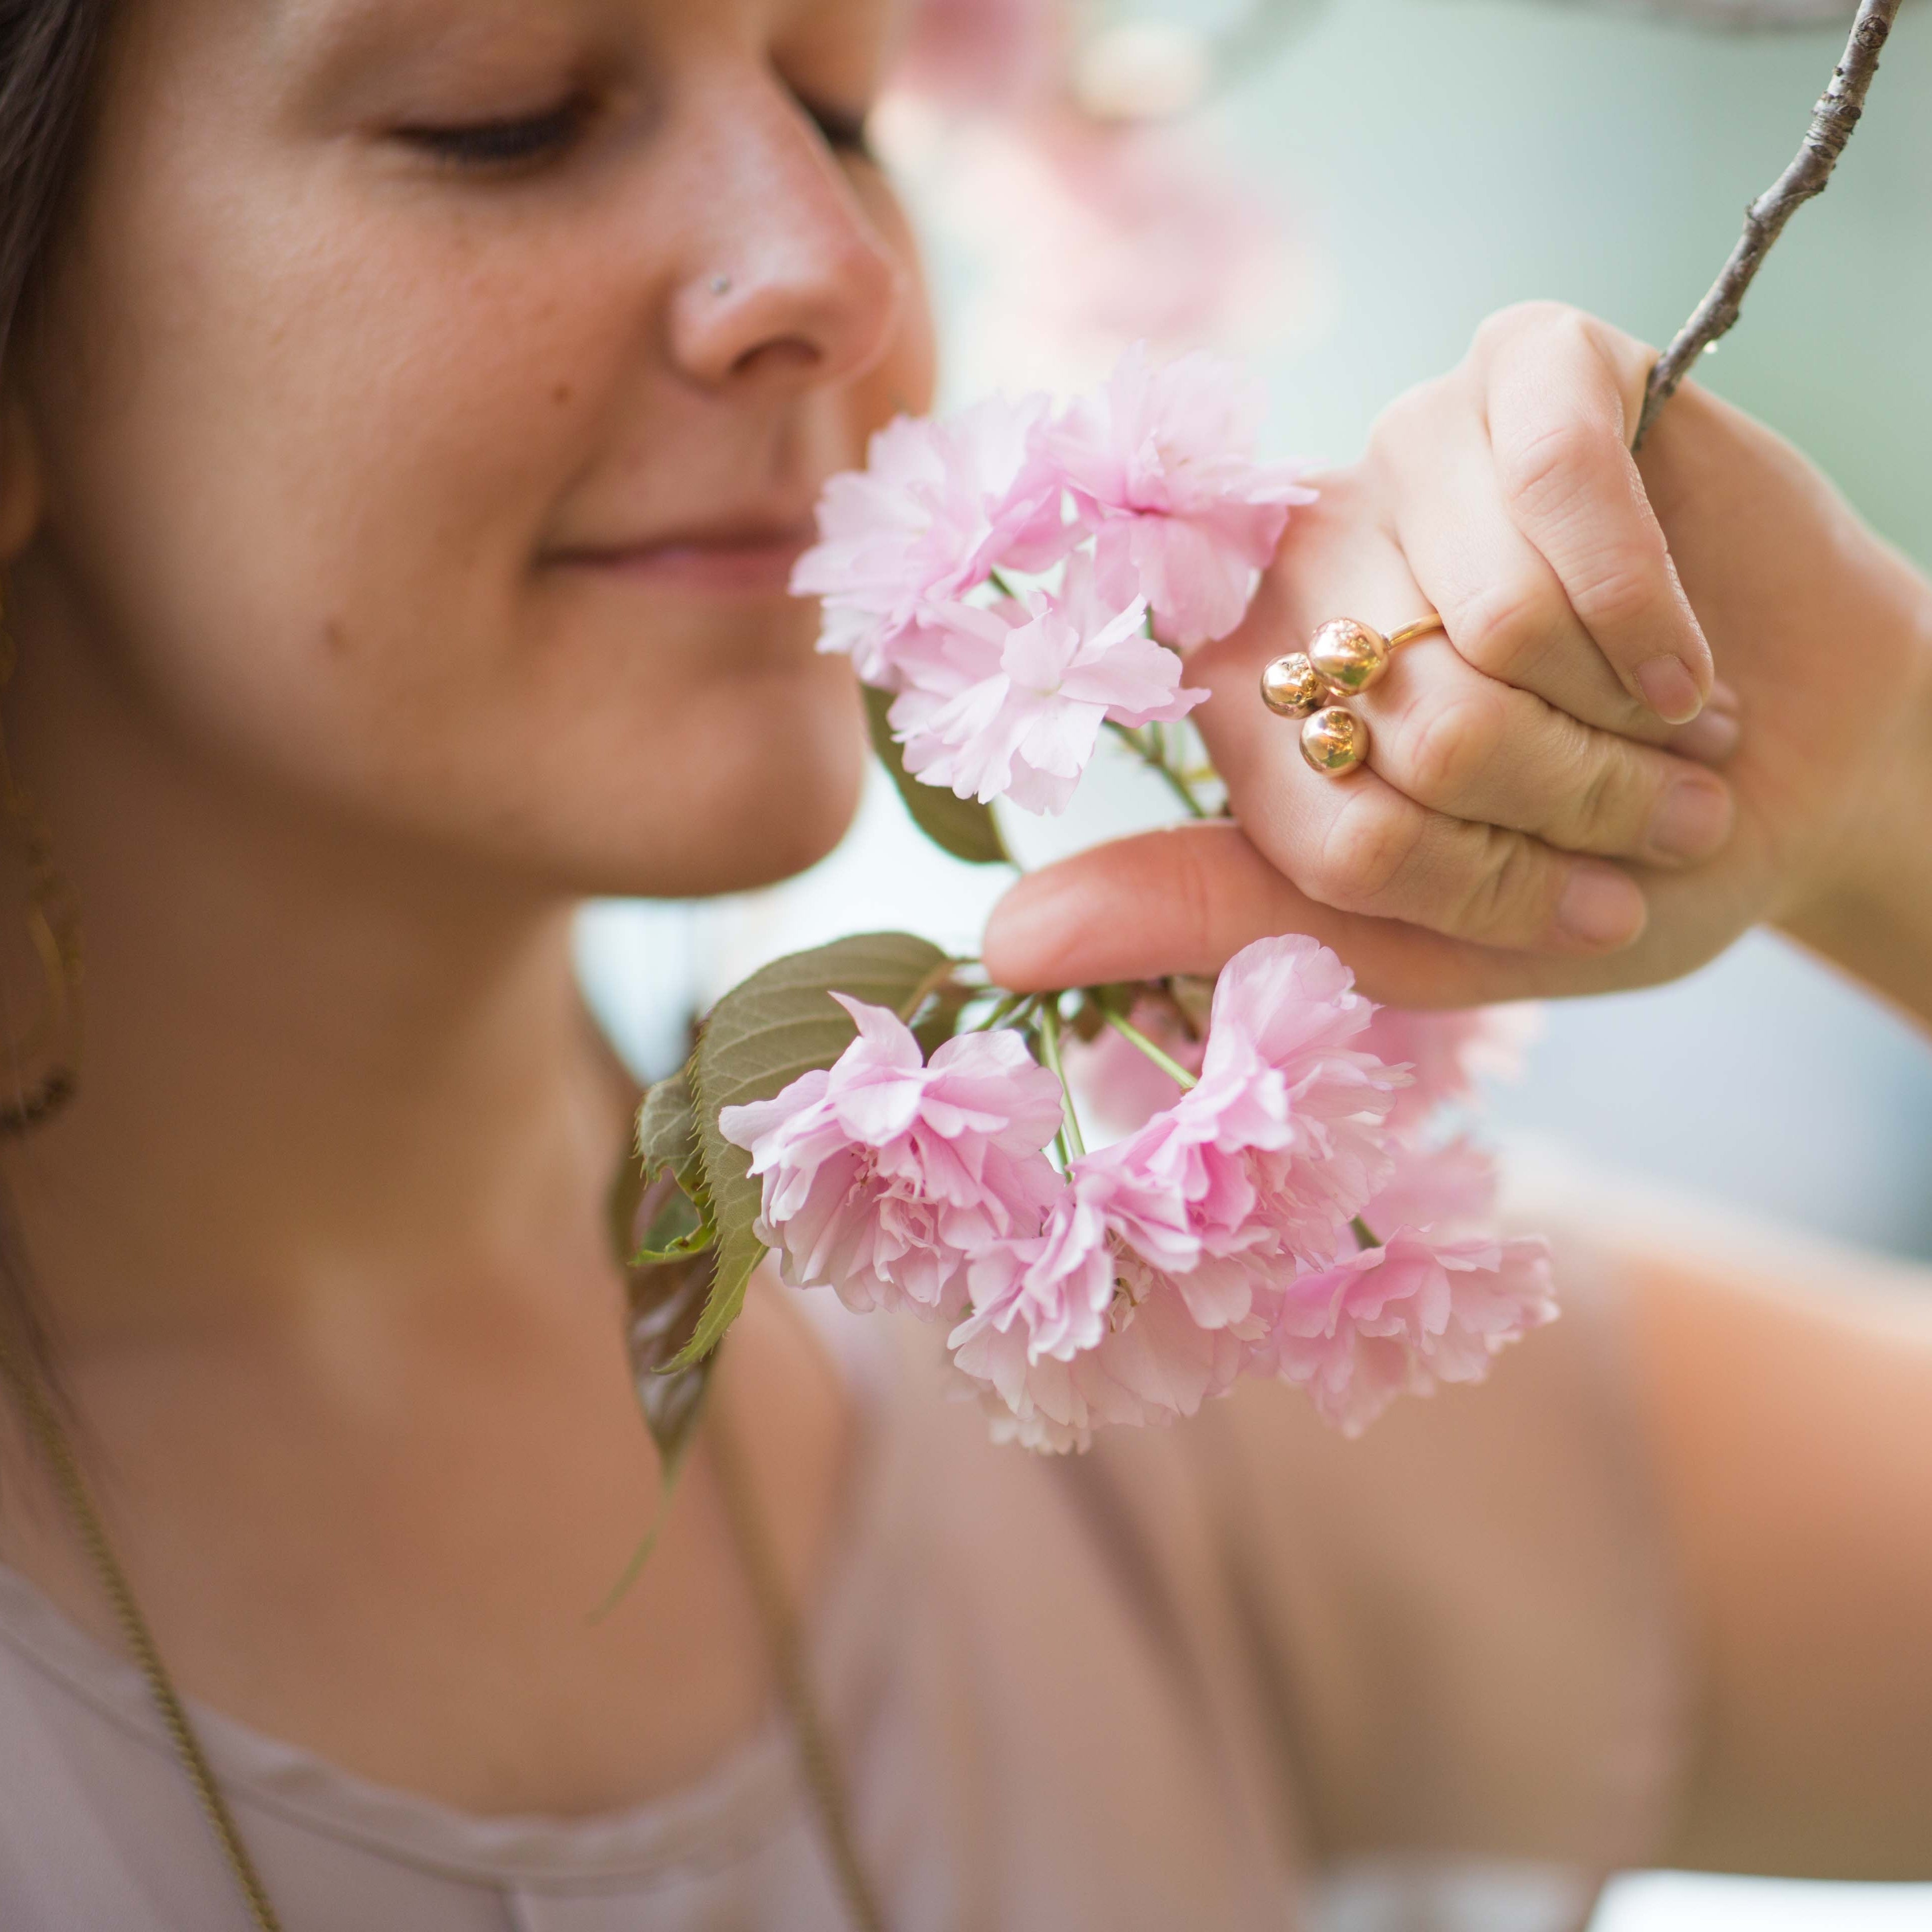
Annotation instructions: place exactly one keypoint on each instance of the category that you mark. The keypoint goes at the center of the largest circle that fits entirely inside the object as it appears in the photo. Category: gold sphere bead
(1348, 657)
(1334, 741)
(1291, 689)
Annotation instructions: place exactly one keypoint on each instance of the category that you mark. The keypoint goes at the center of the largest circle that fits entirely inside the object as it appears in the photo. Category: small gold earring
(52, 916)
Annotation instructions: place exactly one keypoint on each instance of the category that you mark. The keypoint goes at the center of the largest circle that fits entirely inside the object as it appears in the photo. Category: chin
(757, 805)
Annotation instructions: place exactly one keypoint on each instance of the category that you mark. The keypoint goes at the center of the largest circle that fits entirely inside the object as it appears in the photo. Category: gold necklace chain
(65, 1469)
(783, 1637)
(823, 1781)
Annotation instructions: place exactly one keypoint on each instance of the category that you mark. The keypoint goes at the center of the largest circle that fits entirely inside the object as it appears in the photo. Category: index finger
(1561, 399)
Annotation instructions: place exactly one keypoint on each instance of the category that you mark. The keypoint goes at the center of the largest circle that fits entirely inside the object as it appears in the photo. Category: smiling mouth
(753, 561)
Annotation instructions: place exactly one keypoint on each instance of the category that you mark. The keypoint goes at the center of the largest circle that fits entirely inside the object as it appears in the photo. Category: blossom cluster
(1294, 1212)
(1018, 576)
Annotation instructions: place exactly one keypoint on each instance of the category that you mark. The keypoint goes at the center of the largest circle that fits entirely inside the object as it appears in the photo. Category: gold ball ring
(1343, 659)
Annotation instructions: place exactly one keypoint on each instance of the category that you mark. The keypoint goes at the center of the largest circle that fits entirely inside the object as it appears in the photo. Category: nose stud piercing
(721, 285)
(1342, 660)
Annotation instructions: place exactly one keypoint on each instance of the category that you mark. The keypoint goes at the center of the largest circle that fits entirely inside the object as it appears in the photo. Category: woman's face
(431, 397)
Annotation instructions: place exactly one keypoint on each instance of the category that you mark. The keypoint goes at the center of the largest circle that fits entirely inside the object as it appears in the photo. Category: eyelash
(505, 144)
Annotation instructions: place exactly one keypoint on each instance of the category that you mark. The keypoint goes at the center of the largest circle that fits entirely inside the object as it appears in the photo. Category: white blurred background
(1412, 165)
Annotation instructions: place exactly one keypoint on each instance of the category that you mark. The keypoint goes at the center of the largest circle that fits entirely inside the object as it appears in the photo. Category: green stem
(1005, 1004)
(1151, 756)
(1011, 1011)
(1049, 1043)
(1366, 1236)
(998, 580)
(1171, 1067)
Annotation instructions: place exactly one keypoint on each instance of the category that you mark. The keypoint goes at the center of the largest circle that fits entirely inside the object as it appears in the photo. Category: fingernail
(1669, 690)
(1692, 819)
(1601, 907)
(1710, 737)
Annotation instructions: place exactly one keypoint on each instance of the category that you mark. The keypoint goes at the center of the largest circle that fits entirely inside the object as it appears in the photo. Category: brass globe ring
(1343, 659)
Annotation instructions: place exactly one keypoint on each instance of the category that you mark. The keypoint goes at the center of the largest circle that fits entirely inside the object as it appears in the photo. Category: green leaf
(781, 1023)
(664, 1301)
(667, 1133)
(679, 1229)
(963, 826)
(666, 1137)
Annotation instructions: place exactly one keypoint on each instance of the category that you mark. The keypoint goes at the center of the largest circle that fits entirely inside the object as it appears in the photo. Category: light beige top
(1239, 1674)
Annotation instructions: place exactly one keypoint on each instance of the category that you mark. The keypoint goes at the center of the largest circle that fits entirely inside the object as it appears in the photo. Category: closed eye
(506, 144)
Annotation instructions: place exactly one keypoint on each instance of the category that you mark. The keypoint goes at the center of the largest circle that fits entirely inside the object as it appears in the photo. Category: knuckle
(1619, 587)
(1506, 628)
(1597, 811)
(1543, 474)
(1370, 843)
(1504, 896)
(1449, 746)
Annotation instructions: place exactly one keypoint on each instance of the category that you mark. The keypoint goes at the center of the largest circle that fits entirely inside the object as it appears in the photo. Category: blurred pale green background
(1454, 156)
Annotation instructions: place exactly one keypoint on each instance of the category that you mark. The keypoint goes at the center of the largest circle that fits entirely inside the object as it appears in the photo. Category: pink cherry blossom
(1110, 1225)
(1152, 1364)
(940, 504)
(1419, 1310)
(1433, 1302)
(1447, 1189)
(1448, 1052)
(1162, 460)
(1026, 726)
(883, 1176)
(1105, 1316)
(986, 53)
(1288, 1119)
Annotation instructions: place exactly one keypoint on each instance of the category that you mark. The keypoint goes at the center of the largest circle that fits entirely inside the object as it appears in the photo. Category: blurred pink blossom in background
(1093, 227)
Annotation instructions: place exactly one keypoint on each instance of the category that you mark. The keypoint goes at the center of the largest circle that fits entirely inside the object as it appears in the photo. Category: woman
(412, 410)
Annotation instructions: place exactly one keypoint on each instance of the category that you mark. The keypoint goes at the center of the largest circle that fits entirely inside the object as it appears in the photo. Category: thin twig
(1168, 1064)
(1049, 1043)
(1832, 121)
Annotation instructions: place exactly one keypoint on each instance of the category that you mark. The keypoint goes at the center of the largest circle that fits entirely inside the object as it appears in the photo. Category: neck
(321, 1061)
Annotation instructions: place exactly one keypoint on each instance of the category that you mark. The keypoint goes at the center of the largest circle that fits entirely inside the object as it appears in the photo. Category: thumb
(1187, 899)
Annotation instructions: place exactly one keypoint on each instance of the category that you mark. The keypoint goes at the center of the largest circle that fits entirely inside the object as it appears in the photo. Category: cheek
(904, 382)
(313, 441)
(300, 506)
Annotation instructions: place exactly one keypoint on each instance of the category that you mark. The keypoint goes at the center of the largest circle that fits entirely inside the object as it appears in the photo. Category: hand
(1503, 495)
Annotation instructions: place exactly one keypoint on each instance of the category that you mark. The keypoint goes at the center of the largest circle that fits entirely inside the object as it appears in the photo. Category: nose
(786, 275)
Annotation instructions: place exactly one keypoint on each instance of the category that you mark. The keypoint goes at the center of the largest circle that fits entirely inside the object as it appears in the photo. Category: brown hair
(48, 51)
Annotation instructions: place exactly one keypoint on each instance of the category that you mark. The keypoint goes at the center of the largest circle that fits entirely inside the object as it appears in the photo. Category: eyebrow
(329, 43)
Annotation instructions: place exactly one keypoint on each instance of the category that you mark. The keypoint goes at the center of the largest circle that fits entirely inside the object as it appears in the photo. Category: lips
(748, 558)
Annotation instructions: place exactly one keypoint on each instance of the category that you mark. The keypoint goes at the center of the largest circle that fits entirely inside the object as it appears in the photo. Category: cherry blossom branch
(1075, 1142)
(1832, 121)
(1168, 1064)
